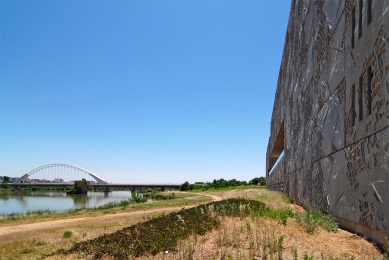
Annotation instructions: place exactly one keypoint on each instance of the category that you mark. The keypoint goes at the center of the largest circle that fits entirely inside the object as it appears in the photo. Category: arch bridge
(56, 169)
(98, 179)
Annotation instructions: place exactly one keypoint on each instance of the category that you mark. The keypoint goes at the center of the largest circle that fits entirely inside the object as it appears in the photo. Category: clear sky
(140, 91)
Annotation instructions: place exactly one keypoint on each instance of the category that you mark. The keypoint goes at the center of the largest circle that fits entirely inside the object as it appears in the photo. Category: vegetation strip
(165, 231)
(40, 212)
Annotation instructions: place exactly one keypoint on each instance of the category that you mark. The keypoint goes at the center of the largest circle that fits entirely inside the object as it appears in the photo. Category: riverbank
(35, 237)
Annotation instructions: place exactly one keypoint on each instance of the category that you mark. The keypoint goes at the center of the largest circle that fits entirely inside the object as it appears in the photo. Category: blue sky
(140, 91)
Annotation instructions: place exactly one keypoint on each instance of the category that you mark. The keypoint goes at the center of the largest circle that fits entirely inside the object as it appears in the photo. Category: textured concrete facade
(331, 113)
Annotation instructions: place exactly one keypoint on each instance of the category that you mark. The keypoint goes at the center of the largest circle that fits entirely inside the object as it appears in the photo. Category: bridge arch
(98, 179)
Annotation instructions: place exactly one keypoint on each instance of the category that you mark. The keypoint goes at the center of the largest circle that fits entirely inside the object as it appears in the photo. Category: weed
(307, 257)
(294, 253)
(279, 246)
(26, 251)
(67, 234)
(311, 220)
(248, 226)
(105, 227)
(288, 199)
(386, 249)
(39, 243)
(262, 197)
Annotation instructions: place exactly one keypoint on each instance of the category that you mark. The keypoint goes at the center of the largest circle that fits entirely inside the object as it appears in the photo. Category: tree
(184, 186)
(262, 180)
(256, 181)
(79, 187)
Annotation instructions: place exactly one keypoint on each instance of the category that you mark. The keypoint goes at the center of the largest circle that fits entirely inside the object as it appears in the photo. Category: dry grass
(234, 240)
(272, 198)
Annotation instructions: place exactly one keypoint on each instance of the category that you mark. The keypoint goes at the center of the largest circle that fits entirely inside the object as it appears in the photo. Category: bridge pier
(16, 188)
(106, 189)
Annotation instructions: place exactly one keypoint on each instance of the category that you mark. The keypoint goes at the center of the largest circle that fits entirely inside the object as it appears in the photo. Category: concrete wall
(331, 113)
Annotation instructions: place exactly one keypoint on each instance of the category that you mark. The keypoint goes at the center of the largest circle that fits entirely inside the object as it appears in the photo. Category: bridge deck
(101, 185)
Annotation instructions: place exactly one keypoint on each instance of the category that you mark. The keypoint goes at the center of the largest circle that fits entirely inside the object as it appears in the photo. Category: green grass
(281, 214)
(311, 220)
(213, 189)
(160, 196)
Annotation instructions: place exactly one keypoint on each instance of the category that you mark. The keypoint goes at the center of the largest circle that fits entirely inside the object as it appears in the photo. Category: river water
(23, 201)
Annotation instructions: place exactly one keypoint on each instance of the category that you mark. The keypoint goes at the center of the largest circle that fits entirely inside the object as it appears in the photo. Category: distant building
(58, 180)
(12, 179)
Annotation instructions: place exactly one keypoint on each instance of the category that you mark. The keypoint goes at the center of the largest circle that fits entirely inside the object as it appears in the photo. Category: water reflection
(78, 199)
(4, 196)
(24, 201)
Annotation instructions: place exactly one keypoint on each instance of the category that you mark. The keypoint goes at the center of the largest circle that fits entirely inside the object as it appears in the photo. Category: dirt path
(7, 230)
(214, 198)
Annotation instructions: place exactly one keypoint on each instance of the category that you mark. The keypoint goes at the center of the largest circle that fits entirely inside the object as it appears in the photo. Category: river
(23, 201)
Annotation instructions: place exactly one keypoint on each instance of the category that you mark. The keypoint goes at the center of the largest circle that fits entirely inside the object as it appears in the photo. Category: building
(331, 113)
(58, 180)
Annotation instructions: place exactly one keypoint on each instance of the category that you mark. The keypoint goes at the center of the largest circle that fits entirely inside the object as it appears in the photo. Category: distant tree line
(221, 183)
(258, 181)
(4, 184)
